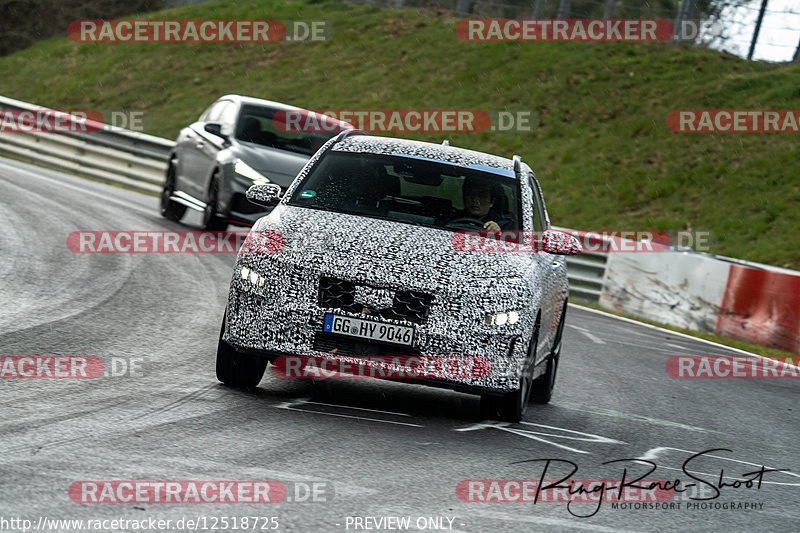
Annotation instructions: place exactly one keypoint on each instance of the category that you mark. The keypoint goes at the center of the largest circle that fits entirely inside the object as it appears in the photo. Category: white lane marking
(359, 408)
(592, 436)
(533, 435)
(676, 333)
(651, 343)
(653, 453)
(556, 522)
(648, 346)
(290, 406)
(537, 435)
(589, 335)
(640, 418)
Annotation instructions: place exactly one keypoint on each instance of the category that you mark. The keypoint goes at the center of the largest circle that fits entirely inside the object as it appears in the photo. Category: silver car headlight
(243, 169)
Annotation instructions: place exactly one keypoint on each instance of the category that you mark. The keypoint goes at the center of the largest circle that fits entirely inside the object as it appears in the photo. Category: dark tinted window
(406, 190)
(259, 125)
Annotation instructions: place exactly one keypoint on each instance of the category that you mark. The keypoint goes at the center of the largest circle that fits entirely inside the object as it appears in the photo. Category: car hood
(388, 253)
(279, 166)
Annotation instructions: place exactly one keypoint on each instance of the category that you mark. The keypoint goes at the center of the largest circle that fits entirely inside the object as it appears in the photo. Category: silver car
(236, 142)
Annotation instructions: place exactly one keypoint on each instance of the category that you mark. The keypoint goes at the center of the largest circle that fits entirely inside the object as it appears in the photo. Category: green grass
(603, 152)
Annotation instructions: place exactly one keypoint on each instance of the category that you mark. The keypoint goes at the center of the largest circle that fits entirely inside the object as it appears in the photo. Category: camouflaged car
(370, 266)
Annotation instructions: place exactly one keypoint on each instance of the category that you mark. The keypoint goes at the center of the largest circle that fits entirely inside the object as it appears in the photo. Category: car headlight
(243, 169)
(501, 319)
(252, 276)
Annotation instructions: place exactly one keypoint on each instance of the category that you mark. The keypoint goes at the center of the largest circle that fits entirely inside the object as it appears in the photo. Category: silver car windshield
(411, 190)
(265, 126)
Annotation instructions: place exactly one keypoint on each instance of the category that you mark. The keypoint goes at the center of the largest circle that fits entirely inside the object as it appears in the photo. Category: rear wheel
(170, 209)
(211, 218)
(237, 369)
(511, 406)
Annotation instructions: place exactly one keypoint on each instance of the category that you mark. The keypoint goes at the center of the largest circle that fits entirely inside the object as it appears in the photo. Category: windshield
(411, 190)
(260, 125)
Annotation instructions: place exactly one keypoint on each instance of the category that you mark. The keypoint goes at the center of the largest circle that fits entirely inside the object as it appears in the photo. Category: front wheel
(238, 369)
(211, 218)
(170, 209)
(511, 406)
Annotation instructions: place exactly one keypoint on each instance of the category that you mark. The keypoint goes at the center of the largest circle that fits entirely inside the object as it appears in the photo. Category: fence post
(758, 28)
(685, 12)
(563, 9)
(537, 9)
(609, 9)
(797, 54)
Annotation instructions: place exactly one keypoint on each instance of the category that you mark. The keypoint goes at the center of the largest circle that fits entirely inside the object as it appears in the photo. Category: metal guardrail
(585, 273)
(113, 154)
(139, 161)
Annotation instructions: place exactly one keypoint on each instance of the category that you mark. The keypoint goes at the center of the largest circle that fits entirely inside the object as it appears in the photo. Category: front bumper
(285, 318)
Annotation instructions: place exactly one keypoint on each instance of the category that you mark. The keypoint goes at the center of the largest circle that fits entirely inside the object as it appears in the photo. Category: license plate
(368, 329)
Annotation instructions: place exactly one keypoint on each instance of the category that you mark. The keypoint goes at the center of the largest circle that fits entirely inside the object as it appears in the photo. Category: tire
(544, 385)
(510, 407)
(169, 209)
(211, 219)
(238, 369)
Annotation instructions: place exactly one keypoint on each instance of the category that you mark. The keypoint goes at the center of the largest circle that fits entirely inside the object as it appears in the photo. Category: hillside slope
(603, 152)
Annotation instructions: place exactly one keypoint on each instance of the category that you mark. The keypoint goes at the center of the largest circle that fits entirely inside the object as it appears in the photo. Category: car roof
(427, 151)
(269, 103)
(256, 101)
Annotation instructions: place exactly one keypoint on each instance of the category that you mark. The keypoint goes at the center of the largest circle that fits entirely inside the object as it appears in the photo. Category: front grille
(343, 346)
(337, 293)
(412, 306)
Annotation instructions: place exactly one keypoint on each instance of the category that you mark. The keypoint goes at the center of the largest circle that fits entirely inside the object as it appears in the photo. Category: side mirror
(267, 194)
(215, 129)
(558, 243)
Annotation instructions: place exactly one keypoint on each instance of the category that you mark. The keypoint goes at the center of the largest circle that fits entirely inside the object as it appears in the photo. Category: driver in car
(479, 202)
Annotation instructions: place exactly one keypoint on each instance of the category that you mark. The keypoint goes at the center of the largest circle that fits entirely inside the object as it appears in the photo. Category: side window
(538, 210)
